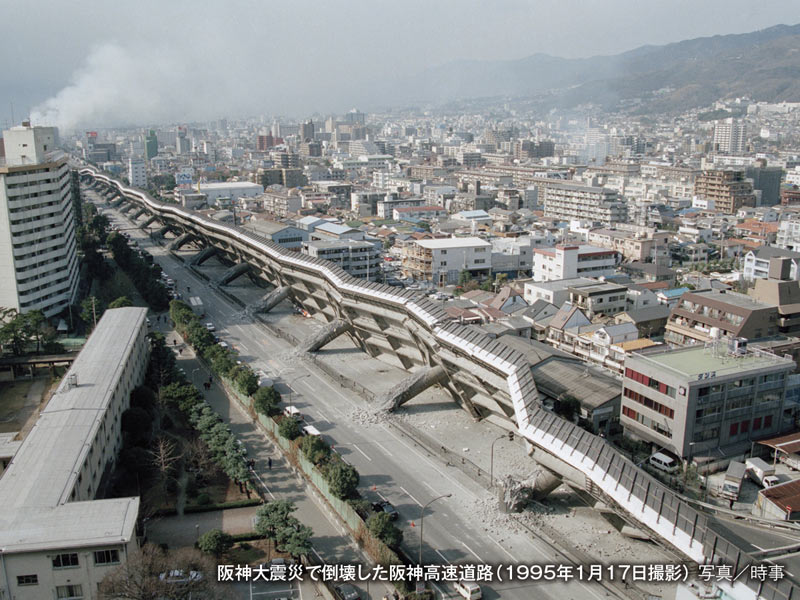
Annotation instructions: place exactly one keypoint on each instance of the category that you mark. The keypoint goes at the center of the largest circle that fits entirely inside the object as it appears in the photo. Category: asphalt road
(399, 472)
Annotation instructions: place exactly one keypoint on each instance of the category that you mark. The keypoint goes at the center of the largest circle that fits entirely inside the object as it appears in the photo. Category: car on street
(468, 589)
(345, 591)
(210, 326)
(386, 507)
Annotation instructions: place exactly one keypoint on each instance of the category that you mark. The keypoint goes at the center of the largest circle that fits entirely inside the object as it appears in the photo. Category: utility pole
(94, 311)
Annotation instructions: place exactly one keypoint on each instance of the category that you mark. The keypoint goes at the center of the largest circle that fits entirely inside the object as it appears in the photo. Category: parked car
(386, 507)
(345, 591)
(468, 589)
(210, 327)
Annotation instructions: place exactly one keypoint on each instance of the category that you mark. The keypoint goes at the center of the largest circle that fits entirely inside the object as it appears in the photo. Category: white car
(210, 326)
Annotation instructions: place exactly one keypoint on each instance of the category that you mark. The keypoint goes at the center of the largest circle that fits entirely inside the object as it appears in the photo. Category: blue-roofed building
(480, 217)
(670, 297)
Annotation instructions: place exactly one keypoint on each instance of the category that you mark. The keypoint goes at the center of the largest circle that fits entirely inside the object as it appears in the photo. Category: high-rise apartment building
(729, 189)
(307, 131)
(137, 173)
(38, 256)
(730, 136)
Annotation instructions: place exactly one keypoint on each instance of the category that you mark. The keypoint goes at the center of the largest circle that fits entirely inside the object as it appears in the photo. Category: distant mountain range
(764, 65)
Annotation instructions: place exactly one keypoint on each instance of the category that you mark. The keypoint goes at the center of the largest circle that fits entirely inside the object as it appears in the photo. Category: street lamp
(422, 521)
(291, 381)
(491, 462)
(193, 372)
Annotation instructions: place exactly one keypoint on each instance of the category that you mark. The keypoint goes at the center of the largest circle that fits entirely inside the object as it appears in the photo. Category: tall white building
(38, 257)
(568, 201)
(568, 262)
(730, 136)
(137, 173)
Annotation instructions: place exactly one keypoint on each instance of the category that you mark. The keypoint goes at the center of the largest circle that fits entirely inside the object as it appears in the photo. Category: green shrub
(289, 428)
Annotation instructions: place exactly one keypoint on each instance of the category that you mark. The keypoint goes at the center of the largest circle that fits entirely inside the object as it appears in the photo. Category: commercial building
(700, 317)
(38, 256)
(568, 202)
(693, 401)
(599, 298)
(150, 145)
(280, 233)
(58, 541)
(729, 189)
(229, 190)
(567, 262)
(422, 213)
(358, 258)
(442, 260)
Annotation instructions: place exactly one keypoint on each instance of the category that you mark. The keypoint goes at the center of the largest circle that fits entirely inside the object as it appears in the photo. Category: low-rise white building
(566, 262)
(58, 541)
(442, 260)
(231, 190)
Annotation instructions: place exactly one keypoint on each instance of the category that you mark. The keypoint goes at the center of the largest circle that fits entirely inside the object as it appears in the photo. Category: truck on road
(732, 484)
(761, 472)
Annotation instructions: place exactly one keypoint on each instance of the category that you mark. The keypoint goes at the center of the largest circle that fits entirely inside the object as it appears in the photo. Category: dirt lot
(19, 403)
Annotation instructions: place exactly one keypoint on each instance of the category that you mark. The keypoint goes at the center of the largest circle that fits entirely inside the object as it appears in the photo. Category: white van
(292, 411)
(469, 590)
(311, 430)
(663, 462)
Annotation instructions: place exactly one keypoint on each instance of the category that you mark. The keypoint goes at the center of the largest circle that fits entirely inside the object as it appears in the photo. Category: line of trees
(19, 331)
(143, 275)
(221, 360)
(275, 522)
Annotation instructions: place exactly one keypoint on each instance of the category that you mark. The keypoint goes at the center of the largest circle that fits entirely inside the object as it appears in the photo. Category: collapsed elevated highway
(482, 375)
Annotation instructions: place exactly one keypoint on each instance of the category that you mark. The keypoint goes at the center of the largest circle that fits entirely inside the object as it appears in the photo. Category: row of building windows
(650, 403)
(646, 421)
(650, 382)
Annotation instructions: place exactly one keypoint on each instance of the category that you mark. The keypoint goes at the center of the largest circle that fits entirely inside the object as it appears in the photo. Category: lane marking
(430, 487)
(410, 496)
(243, 346)
(472, 552)
(362, 452)
(382, 496)
(379, 445)
(511, 556)
(322, 417)
(444, 558)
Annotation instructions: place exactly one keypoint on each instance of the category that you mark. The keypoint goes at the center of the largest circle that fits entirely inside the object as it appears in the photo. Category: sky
(84, 63)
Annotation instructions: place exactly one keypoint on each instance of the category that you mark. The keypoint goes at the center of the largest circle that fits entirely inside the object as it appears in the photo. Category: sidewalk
(332, 543)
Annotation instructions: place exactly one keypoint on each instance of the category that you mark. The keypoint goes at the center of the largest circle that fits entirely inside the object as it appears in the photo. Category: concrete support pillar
(202, 256)
(117, 202)
(325, 335)
(164, 230)
(234, 272)
(139, 213)
(271, 300)
(127, 208)
(411, 386)
(149, 221)
(180, 241)
(546, 482)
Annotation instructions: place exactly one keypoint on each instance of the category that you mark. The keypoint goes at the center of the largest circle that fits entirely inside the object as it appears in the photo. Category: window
(734, 431)
(27, 580)
(65, 561)
(756, 423)
(768, 421)
(106, 557)
(69, 592)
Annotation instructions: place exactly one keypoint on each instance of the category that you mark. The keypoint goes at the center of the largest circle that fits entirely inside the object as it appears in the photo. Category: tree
(295, 539)
(163, 457)
(464, 277)
(315, 448)
(246, 381)
(500, 280)
(265, 400)
(215, 542)
(289, 428)
(137, 423)
(120, 302)
(272, 517)
(92, 308)
(342, 479)
(380, 525)
(13, 331)
(567, 407)
(138, 577)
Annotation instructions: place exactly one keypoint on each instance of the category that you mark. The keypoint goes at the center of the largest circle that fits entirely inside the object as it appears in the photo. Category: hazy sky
(82, 63)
